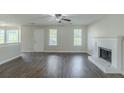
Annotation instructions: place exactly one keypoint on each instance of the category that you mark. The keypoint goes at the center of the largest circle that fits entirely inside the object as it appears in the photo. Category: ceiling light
(57, 19)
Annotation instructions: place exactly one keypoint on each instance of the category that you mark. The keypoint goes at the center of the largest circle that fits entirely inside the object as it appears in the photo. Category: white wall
(8, 52)
(109, 26)
(65, 38)
(29, 39)
(39, 40)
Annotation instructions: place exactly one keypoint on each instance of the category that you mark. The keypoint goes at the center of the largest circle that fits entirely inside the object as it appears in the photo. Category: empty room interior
(61, 45)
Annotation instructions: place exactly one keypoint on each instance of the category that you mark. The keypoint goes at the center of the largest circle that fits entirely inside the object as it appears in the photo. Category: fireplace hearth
(105, 54)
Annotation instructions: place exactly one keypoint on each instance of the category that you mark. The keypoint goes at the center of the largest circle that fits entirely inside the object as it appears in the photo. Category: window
(77, 37)
(9, 36)
(53, 37)
(12, 36)
(2, 35)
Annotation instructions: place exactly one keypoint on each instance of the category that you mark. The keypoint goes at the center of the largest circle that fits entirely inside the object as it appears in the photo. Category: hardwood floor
(52, 65)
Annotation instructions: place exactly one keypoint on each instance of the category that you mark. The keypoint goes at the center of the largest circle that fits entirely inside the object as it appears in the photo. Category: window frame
(49, 36)
(78, 45)
(5, 36)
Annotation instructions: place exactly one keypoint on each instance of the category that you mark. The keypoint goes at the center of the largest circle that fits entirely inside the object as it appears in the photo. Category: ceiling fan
(60, 18)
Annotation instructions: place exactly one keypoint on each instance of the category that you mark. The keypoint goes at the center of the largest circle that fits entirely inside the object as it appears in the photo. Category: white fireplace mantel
(113, 43)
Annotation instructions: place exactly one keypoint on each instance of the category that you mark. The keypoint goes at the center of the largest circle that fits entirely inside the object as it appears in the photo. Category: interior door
(38, 40)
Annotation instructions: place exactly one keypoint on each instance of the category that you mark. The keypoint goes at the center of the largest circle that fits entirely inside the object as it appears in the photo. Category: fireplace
(105, 54)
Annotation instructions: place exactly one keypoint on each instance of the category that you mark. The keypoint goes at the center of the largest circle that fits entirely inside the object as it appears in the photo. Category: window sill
(9, 44)
(52, 45)
(77, 46)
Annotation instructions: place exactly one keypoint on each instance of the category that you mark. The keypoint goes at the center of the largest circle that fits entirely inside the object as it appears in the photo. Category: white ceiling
(47, 19)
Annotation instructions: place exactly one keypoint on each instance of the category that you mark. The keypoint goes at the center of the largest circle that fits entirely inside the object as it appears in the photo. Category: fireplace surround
(107, 53)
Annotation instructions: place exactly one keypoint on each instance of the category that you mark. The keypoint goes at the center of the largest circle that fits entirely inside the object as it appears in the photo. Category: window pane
(12, 36)
(77, 37)
(2, 36)
(53, 37)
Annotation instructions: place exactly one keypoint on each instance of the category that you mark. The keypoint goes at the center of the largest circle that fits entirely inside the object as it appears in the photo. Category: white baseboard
(10, 59)
(65, 51)
(57, 51)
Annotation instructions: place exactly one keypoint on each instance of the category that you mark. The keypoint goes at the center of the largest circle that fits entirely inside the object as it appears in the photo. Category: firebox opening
(105, 54)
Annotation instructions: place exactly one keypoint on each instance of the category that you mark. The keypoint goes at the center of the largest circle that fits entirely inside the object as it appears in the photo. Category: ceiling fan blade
(66, 19)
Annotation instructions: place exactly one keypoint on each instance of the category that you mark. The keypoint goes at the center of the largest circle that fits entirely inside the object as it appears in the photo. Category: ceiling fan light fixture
(60, 17)
(57, 19)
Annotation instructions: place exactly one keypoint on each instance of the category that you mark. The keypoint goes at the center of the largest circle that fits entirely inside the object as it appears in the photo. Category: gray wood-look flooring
(52, 65)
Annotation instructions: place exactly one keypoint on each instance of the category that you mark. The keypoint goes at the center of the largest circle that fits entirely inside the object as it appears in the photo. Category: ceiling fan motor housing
(58, 15)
